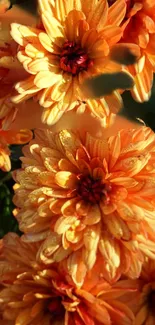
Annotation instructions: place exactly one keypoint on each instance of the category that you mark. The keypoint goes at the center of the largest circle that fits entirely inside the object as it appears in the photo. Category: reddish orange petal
(17, 137)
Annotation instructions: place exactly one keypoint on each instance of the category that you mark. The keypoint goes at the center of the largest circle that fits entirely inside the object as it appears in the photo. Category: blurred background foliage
(132, 110)
(7, 220)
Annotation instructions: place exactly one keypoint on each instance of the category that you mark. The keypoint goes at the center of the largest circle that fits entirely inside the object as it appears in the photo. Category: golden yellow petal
(64, 223)
(143, 84)
(116, 13)
(52, 46)
(118, 228)
(111, 34)
(127, 182)
(37, 65)
(47, 249)
(23, 317)
(52, 25)
(46, 5)
(69, 207)
(111, 253)
(89, 38)
(130, 212)
(66, 179)
(72, 24)
(114, 148)
(93, 215)
(142, 315)
(121, 313)
(91, 240)
(61, 254)
(76, 268)
(45, 79)
(52, 114)
(135, 266)
(98, 15)
(97, 147)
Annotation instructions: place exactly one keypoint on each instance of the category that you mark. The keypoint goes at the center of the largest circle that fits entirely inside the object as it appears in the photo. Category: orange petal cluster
(10, 70)
(71, 44)
(145, 308)
(96, 195)
(141, 302)
(36, 294)
(84, 203)
(11, 137)
(139, 28)
(8, 63)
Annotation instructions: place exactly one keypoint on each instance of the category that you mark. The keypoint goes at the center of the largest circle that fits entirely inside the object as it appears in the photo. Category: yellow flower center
(73, 58)
(92, 190)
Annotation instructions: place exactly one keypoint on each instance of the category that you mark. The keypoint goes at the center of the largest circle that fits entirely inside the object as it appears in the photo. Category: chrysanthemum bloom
(11, 137)
(7, 115)
(36, 294)
(143, 300)
(7, 61)
(139, 28)
(145, 313)
(72, 44)
(10, 72)
(8, 110)
(97, 195)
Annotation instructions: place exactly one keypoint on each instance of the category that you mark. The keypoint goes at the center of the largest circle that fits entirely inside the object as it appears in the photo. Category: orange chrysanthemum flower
(7, 109)
(73, 43)
(139, 28)
(142, 301)
(98, 196)
(10, 72)
(7, 61)
(5, 163)
(35, 294)
(11, 137)
(145, 313)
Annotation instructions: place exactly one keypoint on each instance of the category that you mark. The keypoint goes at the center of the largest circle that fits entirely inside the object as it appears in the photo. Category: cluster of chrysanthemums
(85, 194)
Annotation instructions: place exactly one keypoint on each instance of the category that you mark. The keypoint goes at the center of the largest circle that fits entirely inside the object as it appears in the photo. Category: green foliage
(7, 220)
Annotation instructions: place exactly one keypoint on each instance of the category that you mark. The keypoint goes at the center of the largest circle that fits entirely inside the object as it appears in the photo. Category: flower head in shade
(98, 196)
(71, 44)
(10, 71)
(11, 137)
(143, 300)
(145, 313)
(36, 294)
(8, 110)
(139, 28)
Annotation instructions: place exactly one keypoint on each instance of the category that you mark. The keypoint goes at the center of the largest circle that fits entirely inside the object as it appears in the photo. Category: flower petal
(66, 179)
(116, 13)
(98, 15)
(91, 240)
(52, 25)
